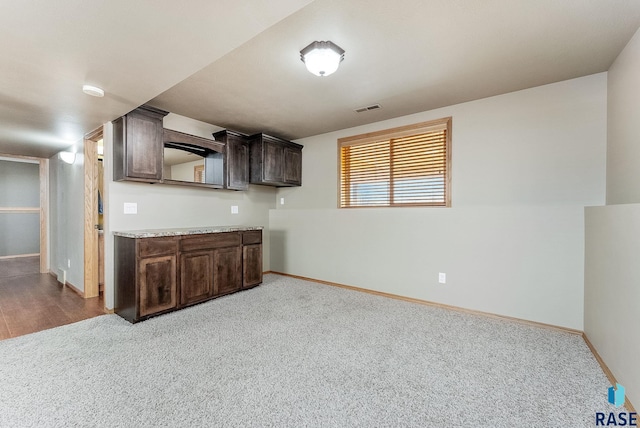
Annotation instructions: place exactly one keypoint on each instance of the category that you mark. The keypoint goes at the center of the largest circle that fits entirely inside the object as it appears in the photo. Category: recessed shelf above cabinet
(189, 160)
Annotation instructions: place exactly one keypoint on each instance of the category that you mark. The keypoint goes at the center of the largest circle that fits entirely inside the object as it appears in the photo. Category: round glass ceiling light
(322, 58)
(68, 157)
(94, 91)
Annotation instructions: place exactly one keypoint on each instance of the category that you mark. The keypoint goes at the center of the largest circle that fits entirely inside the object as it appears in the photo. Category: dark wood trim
(224, 132)
(151, 109)
(279, 140)
(190, 148)
(191, 184)
(171, 136)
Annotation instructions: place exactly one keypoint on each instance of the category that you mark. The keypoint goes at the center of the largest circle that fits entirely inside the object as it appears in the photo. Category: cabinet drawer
(252, 237)
(157, 246)
(207, 242)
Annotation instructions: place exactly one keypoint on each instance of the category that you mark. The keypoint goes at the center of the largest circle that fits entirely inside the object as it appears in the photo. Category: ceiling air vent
(367, 108)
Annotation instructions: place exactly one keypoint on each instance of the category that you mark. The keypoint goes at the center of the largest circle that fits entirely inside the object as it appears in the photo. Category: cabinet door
(227, 270)
(251, 265)
(158, 284)
(237, 164)
(273, 161)
(292, 166)
(143, 146)
(196, 276)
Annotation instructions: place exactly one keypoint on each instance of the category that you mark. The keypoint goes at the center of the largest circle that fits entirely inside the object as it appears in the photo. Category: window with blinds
(406, 166)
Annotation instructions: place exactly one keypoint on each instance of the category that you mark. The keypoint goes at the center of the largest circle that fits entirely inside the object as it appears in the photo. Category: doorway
(93, 214)
(24, 211)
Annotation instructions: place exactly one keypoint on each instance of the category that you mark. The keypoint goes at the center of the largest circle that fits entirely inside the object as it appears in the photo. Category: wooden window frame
(395, 133)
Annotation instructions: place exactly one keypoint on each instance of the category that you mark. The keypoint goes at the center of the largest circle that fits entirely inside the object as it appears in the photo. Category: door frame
(91, 268)
(43, 176)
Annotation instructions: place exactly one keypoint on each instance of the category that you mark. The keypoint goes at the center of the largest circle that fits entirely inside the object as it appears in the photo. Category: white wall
(184, 171)
(612, 290)
(612, 250)
(524, 166)
(66, 204)
(623, 150)
(166, 206)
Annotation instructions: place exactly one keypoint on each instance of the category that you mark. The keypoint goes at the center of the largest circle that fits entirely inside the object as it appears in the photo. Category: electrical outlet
(281, 201)
(234, 209)
(68, 263)
(442, 278)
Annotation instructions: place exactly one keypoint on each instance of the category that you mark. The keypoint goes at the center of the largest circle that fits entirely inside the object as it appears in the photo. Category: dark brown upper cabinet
(144, 151)
(237, 159)
(137, 145)
(274, 161)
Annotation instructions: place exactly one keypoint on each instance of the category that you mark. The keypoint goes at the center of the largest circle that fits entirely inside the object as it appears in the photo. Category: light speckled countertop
(156, 233)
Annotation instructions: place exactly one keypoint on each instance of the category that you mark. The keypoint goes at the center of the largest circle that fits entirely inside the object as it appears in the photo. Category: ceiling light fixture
(68, 157)
(94, 91)
(322, 58)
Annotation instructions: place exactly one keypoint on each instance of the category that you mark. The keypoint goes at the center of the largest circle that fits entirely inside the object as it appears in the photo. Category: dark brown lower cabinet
(252, 265)
(227, 270)
(157, 275)
(196, 276)
(158, 286)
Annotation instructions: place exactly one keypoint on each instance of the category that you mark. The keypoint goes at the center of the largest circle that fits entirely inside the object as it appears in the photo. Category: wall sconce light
(322, 58)
(68, 157)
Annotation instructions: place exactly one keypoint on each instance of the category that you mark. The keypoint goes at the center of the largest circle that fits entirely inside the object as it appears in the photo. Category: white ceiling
(407, 55)
(133, 49)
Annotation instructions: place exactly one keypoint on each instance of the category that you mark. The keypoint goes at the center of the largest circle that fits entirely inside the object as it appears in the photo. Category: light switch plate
(442, 278)
(130, 208)
(234, 209)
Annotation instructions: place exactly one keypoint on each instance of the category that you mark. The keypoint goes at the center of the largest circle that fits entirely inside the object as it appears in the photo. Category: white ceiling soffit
(134, 50)
(407, 55)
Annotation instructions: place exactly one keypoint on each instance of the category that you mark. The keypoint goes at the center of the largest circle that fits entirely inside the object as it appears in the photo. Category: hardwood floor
(31, 301)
